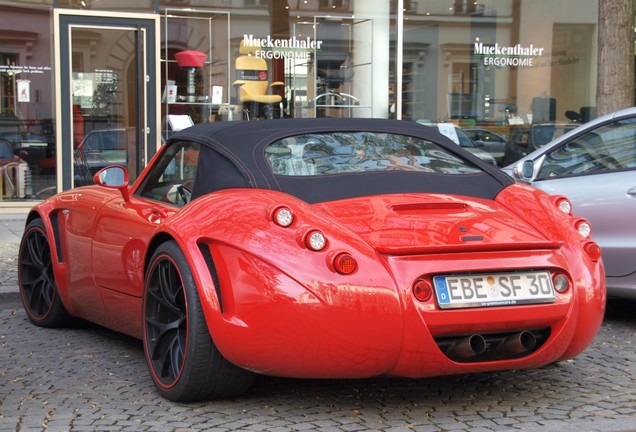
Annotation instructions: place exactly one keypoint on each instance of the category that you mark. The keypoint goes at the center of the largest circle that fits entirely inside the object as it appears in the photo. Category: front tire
(182, 358)
(36, 279)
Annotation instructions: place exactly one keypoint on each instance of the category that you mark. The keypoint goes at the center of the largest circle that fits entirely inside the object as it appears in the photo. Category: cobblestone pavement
(88, 378)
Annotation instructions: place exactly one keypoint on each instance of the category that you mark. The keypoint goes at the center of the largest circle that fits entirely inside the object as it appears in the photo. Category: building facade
(87, 83)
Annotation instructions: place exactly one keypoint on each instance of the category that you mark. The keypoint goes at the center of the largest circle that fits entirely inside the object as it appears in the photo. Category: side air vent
(207, 256)
(55, 223)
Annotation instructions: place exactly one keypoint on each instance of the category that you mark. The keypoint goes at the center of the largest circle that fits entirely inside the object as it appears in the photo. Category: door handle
(157, 215)
(632, 191)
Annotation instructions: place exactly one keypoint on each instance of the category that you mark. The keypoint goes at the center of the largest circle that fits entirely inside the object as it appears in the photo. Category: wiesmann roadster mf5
(321, 248)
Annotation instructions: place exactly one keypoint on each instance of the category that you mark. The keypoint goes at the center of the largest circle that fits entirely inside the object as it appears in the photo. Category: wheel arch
(51, 220)
(159, 239)
(203, 254)
(33, 214)
(52, 226)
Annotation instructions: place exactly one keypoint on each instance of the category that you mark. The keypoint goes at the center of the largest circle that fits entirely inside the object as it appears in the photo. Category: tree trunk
(615, 81)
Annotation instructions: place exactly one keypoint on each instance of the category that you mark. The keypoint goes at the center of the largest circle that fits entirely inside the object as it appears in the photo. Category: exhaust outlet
(468, 347)
(517, 343)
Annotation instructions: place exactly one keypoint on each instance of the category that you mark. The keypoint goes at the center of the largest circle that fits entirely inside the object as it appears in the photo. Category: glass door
(107, 93)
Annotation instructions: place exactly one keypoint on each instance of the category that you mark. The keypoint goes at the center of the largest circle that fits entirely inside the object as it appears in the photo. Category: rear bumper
(370, 323)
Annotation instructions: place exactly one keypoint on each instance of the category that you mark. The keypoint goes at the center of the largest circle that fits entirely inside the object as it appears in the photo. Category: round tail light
(422, 290)
(584, 228)
(564, 205)
(283, 216)
(344, 263)
(561, 282)
(315, 240)
(593, 251)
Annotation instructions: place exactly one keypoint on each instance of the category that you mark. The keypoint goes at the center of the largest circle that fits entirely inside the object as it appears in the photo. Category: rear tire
(182, 358)
(36, 279)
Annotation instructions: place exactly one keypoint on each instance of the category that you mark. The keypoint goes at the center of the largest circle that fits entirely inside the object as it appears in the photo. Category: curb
(9, 289)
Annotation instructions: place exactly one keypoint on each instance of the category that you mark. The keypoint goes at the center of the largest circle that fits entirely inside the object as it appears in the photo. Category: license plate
(497, 289)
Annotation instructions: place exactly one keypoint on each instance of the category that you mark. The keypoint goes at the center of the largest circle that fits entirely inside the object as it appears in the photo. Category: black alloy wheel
(36, 279)
(183, 361)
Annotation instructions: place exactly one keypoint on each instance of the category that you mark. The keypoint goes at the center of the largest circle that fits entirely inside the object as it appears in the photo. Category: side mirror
(114, 177)
(527, 169)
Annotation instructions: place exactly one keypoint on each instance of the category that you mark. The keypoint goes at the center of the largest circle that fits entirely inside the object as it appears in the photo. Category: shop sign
(16, 69)
(508, 56)
(291, 48)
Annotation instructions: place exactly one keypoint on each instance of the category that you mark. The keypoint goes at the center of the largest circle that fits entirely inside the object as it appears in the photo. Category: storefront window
(27, 138)
(499, 66)
(195, 71)
(275, 59)
(471, 63)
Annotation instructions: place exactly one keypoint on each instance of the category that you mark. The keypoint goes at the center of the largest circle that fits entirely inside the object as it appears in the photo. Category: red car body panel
(280, 308)
(282, 317)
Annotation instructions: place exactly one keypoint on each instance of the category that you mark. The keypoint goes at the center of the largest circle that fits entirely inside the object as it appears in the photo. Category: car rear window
(351, 152)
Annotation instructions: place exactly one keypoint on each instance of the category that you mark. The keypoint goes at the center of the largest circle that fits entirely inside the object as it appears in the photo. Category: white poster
(24, 90)
(217, 95)
(171, 93)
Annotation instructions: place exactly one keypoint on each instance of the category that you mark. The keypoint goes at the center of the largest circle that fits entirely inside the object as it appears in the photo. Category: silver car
(487, 140)
(594, 166)
(459, 137)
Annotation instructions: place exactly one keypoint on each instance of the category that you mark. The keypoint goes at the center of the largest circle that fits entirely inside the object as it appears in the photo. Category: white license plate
(497, 289)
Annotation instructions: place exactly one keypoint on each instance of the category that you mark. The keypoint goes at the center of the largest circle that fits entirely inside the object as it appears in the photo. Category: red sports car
(322, 248)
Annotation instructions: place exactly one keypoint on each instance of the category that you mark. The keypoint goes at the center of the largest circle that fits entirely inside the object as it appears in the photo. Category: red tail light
(344, 263)
(593, 251)
(422, 290)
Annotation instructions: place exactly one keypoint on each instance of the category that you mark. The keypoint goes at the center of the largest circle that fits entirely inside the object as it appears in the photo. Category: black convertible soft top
(233, 155)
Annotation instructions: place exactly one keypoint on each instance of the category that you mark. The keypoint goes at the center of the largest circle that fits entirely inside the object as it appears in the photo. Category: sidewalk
(11, 228)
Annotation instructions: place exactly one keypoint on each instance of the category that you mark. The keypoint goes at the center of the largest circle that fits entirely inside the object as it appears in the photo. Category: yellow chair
(252, 79)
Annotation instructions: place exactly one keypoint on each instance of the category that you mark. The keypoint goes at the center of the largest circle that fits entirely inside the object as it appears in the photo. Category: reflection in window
(349, 152)
(172, 177)
(606, 149)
